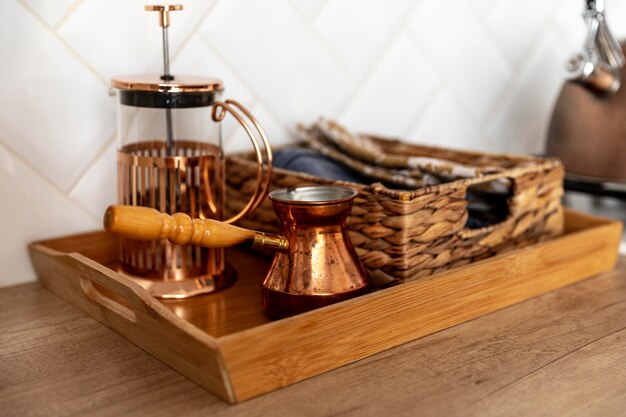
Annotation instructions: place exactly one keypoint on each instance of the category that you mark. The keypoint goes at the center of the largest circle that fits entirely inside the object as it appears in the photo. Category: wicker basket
(406, 235)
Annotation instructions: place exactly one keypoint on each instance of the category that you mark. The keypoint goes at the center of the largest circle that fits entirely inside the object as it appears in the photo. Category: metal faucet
(598, 66)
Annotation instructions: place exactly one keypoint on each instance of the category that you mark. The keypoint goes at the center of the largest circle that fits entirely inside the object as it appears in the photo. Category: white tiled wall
(461, 73)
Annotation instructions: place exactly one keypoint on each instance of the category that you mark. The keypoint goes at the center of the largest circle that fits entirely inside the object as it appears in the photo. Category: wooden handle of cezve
(144, 223)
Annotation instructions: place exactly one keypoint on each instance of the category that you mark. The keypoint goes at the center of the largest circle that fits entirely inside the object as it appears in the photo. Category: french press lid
(182, 91)
(166, 90)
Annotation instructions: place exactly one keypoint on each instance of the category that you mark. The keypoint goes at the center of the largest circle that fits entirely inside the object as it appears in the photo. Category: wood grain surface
(561, 354)
(255, 359)
(298, 347)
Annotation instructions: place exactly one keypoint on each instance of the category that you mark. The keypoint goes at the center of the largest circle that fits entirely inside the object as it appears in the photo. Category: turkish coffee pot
(588, 127)
(170, 158)
(314, 264)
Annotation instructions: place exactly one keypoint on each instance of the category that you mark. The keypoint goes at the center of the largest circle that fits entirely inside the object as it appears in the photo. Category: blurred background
(473, 74)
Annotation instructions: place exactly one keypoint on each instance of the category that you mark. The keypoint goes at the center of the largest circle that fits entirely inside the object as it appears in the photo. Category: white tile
(276, 133)
(97, 188)
(118, 37)
(359, 40)
(615, 12)
(463, 53)
(445, 123)
(309, 8)
(395, 95)
(516, 25)
(569, 20)
(53, 111)
(270, 47)
(522, 121)
(31, 210)
(50, 11)
(198, 58)
(486, 7)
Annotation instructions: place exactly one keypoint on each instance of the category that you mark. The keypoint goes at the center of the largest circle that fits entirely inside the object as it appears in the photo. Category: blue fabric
(314, 163)
(484, 208)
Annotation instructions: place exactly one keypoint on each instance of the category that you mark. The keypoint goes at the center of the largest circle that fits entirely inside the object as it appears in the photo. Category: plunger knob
(164, 12)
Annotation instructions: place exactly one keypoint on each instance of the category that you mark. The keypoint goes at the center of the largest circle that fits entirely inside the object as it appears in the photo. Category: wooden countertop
(561, 354)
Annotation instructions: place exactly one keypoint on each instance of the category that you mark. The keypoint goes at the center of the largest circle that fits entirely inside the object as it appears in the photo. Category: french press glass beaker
(170, 158)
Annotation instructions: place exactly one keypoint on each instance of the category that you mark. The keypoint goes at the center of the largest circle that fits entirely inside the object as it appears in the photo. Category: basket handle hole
(488, 203)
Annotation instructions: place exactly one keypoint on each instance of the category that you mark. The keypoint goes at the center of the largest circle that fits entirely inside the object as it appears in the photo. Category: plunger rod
(166, 56)
(164, 22)
(169, 134)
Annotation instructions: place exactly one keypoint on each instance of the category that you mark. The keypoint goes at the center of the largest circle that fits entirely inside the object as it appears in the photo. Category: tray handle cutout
(95, 295)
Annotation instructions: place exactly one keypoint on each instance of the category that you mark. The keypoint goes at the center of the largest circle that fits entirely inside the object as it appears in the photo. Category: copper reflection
(320, 267)
(263, 175)
(190, 182)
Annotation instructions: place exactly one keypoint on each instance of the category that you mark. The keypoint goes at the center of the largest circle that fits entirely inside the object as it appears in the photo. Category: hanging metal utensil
(587, 131)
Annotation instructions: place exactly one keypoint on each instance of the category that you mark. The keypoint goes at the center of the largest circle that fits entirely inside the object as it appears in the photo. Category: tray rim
(136, 288)
(598, 221)
(223, 346)
(84, 266)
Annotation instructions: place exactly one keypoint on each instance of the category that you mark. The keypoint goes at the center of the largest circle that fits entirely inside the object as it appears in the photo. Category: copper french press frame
(170, 270)
(182, 175)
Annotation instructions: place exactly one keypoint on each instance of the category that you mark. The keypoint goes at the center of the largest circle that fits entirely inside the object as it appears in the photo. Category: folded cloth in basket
(484, 208)
(314, 163)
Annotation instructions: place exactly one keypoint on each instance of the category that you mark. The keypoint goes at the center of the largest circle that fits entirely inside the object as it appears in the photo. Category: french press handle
(263, 175)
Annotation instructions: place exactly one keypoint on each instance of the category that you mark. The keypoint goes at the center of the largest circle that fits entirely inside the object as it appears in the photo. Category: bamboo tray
(224, 343)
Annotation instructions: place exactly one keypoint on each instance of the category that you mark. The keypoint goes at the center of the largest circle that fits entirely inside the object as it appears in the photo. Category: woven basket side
(402, 236)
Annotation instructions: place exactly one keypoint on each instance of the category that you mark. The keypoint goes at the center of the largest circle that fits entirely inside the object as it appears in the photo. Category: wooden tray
(224, 343)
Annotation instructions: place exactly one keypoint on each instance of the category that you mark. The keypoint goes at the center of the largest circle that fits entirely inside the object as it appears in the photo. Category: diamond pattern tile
(569, 21)
(309, 8)
(118, 37)
(462, 51)
(53, 112)
(359, 41)
(384, 108)
(523, 119)
(486, 6)
(96, 189)
(199, 58)
(34, 210)
(516, 25)
(50, 12)
(282, 61)
(445, 123)
(615, 12)
(466, 74)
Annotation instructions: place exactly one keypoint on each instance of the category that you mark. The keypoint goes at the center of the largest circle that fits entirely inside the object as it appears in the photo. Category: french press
(170, 158)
